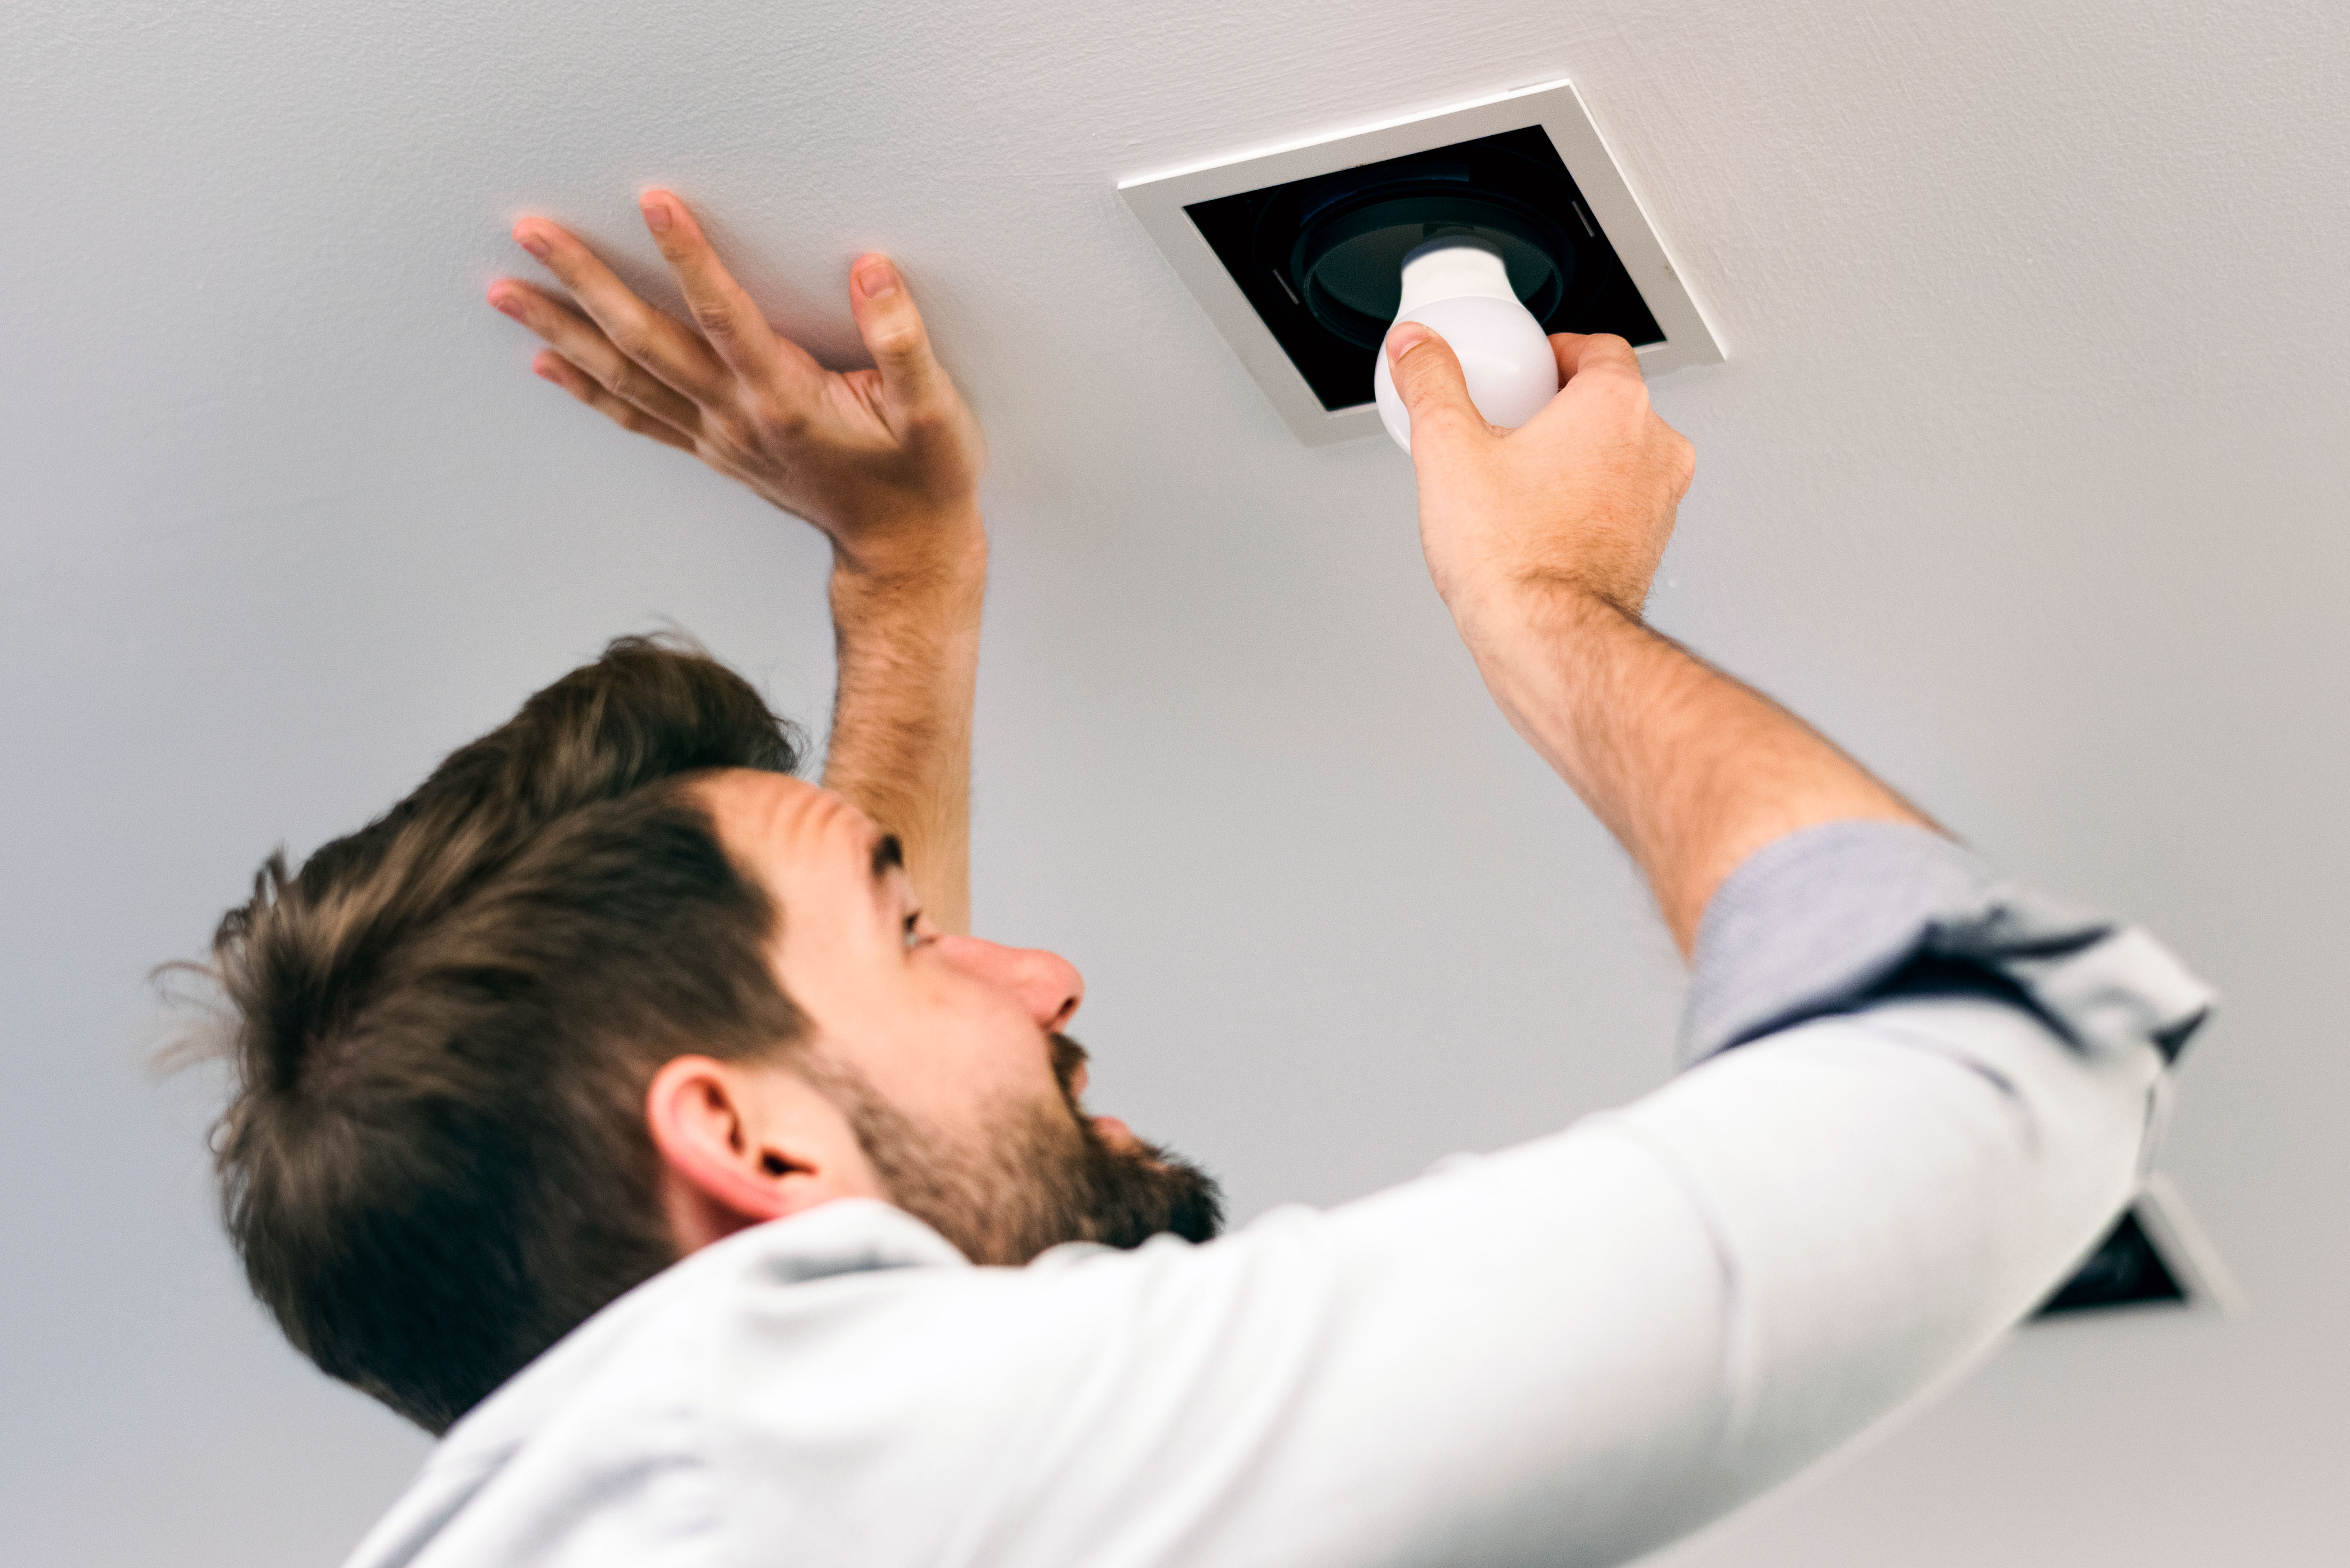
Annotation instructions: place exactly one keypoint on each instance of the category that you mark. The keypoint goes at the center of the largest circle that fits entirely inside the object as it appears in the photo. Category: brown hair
(435, 1163)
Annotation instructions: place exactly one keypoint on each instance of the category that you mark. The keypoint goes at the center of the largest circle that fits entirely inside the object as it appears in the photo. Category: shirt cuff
(1832, 918)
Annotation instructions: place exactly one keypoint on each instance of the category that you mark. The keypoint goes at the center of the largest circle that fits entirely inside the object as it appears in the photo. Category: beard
(1042, 1176)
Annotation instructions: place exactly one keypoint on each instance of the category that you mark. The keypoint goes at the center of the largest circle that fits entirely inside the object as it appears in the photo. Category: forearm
(1691, 769)
(907, 644)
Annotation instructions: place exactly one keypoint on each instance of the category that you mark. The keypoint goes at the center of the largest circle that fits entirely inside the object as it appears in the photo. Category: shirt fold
(1832, 918)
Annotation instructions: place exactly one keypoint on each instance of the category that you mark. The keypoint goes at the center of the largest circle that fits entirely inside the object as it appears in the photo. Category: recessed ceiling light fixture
(2154, 1256)
(1297, 252)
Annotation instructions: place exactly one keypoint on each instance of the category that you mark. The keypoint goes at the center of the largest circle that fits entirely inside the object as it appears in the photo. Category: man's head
(608, 986)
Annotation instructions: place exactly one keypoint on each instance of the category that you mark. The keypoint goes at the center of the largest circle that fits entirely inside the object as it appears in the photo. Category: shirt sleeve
(1826, 920)
(1918, 1098)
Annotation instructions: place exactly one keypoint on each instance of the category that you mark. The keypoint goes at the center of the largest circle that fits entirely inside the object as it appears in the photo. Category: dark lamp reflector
(2127, 1270)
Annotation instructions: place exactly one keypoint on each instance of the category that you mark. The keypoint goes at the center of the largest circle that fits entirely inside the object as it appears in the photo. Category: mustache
(1067, 1057)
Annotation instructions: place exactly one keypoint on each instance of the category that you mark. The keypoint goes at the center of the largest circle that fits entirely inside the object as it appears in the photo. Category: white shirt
(1567, 1352)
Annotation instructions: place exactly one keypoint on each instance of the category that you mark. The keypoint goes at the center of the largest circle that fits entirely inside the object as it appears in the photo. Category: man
(642, 1118)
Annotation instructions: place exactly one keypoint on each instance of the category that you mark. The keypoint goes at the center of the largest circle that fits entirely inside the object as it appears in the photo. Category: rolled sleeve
(1833, 917)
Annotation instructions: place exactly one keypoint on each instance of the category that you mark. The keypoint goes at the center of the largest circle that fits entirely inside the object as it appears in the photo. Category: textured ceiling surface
(2025, 477)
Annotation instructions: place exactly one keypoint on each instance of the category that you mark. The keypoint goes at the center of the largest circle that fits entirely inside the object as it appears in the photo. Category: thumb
(893, 333)
(1429, 379)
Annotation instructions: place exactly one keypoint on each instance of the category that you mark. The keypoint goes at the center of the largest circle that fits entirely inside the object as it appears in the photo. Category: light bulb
(1457, 287)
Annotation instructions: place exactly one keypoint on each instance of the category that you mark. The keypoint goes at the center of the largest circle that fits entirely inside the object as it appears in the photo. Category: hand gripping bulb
(1457, 286)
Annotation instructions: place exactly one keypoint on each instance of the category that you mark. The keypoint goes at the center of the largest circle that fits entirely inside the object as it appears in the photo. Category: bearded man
(643, 1120)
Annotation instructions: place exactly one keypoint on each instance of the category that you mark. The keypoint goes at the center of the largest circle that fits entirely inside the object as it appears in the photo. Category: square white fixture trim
(1158, 200)
(2194, 1263)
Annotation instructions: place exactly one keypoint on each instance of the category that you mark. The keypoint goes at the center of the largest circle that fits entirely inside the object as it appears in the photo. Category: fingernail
(1406, 338)
(545, 372)
(531, 243)
(509, 303)
(877, 280)
(656, 213)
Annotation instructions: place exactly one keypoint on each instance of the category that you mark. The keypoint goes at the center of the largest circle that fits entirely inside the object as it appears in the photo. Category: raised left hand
(886, 461)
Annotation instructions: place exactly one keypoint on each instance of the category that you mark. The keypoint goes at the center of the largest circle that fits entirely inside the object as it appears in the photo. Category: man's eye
(913, 937)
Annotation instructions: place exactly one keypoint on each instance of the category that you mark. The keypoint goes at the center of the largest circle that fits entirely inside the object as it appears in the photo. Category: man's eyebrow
(888, 853)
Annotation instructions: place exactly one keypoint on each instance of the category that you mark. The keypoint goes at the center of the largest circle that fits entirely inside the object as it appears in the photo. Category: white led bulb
(1457, 287)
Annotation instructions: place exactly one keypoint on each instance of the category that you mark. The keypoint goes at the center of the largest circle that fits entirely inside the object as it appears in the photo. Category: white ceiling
(2025, 477)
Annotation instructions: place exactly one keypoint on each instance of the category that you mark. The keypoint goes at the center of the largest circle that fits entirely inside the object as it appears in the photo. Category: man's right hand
(1543, 540)
(1581, 497)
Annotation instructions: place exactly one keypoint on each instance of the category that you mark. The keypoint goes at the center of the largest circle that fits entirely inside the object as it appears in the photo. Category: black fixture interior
(2127, 1270)
(1321, 259)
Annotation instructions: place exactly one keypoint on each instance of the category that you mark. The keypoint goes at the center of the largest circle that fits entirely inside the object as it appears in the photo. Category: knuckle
(715, 319)
(773, 415)
(784, 422)
(714, 446)
(1625, 385)
(927, 423)
(1611, 355)
(1444, 422)
(1430, 407)
(632, 335)
(899, 341)
(626, 382)
(728, 432)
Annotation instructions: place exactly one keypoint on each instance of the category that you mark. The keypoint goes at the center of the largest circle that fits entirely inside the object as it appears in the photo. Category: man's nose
(1046, 984)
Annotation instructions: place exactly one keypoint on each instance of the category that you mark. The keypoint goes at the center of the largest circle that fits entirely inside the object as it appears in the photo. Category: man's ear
(740, 1143)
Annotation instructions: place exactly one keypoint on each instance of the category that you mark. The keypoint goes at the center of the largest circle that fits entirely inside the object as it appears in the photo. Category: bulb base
(1453, 266)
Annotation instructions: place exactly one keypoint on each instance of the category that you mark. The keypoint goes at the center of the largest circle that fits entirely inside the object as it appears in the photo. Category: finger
(1427, 377)
(724, 315)
(553, 368)
(582, 343)
(911, 378)
(1580, 351)
(659, 343)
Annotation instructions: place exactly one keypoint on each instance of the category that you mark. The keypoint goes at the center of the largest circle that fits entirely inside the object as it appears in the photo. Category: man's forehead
(751, 806)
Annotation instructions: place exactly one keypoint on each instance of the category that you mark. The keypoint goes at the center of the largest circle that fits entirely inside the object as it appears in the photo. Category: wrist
(1543, 609)
(938, 555)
